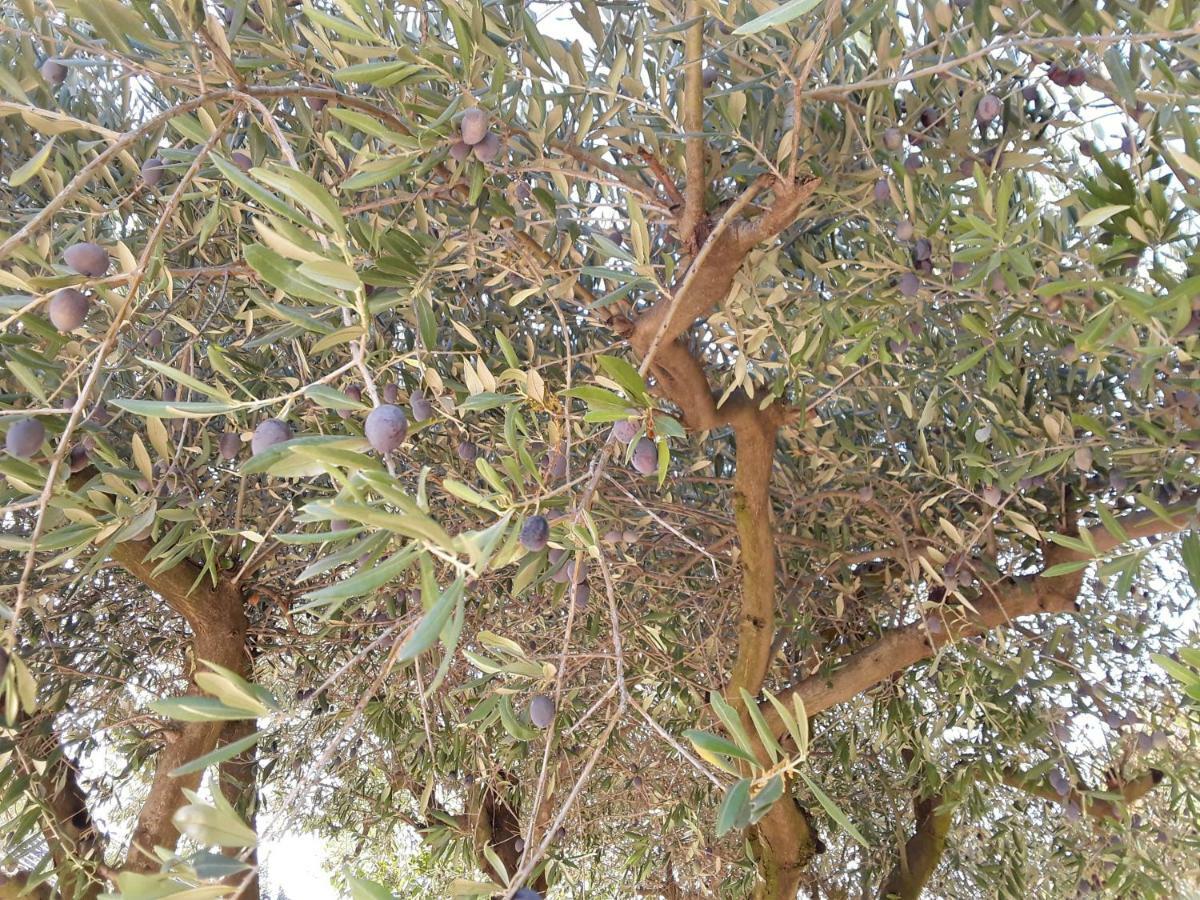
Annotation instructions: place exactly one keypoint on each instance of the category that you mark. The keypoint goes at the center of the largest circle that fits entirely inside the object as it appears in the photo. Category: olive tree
(682, 448)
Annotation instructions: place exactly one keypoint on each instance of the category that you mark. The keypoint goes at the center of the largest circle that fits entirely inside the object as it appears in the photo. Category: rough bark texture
(217, 618)
(922, 852)
(497, 826)
(783, 840)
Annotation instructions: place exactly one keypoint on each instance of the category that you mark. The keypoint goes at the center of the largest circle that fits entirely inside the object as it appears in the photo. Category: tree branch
(1099, 807)
(708, 280)
(922, 852)
(692, 105)
(899, 648)
(218, 621)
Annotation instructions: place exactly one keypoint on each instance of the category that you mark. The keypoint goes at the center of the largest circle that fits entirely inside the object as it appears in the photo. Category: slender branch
(692, 103)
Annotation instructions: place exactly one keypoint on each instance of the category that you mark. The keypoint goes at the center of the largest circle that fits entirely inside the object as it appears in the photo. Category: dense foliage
(687, 448)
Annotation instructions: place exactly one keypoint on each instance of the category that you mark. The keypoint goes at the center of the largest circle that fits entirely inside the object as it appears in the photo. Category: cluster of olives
(644, 458)
(474, 137)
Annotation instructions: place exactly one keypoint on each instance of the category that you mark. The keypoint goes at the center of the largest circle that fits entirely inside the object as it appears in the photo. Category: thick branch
(1099, 807)
(922, 851)
(498, 827)
(709, 279)
(15, 887)
(67, 825)
(902, 647)
(218, 621)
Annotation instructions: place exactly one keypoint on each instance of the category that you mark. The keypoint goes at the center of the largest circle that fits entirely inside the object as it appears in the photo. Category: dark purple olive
(87, 259)
(882, 192)
(390, 393)
(154, 338)
(487, 149)
(24, 438)
(930, 117)
(645, 456)
(580, 592)
(991, 495)
(68, 309)
(912, 162)
(467, 451)
(1030, 92)
(909, 284)
(169, 394)
(421, 408)
(460, 150)
(242, 160)
(535, 533)
(474, 126)
(904, 230)
(316, 104)
(78, 460)
(998, 283)
(988, 108)
(152, 171)
(960, 270)
(269, 433)
(541, 711)
(1058, 75)
(386, 428)
(555, 557)
(229, 445)
(54, 72)
(1076, 77)
(526, 893)
(893, 139)
(923, 250)
(556, 464)
(625, 430)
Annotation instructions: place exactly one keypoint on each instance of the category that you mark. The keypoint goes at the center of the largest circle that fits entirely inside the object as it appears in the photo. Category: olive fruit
(269, 433)
(24, 438)
(77, 461)
(390, 393)
(467, 451)
(487, 149)
(909, 284)
(154, 338)
(229, 445)
(68, 308)
(893, 139)
(882, 193)
(988, 108)
(645, 456)
(87, 258)
(152, 171)
(541, 711)
(421, 408)
(474, 126)
(54, 72)
(904, 230)
(535, 533)
(316, 104)
(242, 160)
(460, 150)
(386, 427)
(625, 430)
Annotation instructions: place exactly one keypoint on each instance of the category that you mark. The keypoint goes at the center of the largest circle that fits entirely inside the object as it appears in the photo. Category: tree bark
(899, 648)
(218, 621)
(922, 852)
